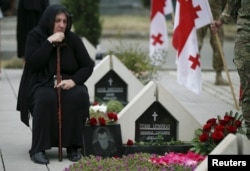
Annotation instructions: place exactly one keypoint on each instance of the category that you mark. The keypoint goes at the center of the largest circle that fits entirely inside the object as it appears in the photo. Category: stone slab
(243, 144)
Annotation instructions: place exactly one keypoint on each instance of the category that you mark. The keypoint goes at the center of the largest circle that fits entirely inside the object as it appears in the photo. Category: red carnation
(215, 130)
(219, 127)
(223, 122)
(237, 123)
(93, 121)
(228, 118)
(203, 137)
(207, 127)
(95, 103)
(102, 121)
(217, 136)
(112, 116)
(130, 142)
(231, 129)
(211, 121)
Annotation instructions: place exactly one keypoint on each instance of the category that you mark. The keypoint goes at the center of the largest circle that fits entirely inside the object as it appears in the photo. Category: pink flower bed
(189, 159)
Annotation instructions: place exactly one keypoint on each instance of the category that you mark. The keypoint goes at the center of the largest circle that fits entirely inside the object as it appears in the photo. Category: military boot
(219, 80)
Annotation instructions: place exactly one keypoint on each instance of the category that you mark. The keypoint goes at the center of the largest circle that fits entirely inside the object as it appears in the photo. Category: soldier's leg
(217, 58)
(243, 66)
(201, 33)
(245, 102)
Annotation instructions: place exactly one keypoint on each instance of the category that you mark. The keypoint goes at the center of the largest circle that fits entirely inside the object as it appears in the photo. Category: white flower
(99, 108)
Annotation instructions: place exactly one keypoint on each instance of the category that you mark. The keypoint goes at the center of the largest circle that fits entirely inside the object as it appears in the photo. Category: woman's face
(60, 23)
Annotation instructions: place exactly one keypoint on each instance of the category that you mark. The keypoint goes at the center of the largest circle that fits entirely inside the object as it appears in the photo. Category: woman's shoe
(40, 158)
(73, 154)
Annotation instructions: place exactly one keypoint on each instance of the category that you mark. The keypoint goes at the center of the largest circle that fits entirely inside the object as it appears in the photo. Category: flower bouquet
(215, 130)
(103, 114)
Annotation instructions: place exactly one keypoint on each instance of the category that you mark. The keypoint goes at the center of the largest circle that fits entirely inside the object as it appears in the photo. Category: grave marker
(90, 48)
(178, 122)
(111, 87)
(156, 120)
(111, 79)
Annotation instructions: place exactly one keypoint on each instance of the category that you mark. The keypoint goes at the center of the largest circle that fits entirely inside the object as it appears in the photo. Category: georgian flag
(168, 9)
(158, 29)
(189, 16)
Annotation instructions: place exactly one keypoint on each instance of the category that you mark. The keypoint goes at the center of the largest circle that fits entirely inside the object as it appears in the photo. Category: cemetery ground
(15, 137)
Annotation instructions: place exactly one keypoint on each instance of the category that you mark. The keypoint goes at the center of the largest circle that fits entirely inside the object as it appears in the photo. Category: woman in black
(38, 94)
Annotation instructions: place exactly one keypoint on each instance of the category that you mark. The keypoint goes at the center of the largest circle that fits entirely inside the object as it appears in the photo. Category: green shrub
(86, 18)
(137, 60)
(114, 106)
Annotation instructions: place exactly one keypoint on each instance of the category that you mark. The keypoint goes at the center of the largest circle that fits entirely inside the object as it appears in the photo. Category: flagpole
(225, 67)
(222, 56)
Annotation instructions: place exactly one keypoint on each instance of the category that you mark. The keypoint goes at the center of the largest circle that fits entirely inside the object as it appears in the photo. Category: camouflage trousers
(217, 60)
(242, 63)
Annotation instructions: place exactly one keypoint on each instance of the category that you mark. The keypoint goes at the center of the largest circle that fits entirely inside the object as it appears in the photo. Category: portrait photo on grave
(103, 141)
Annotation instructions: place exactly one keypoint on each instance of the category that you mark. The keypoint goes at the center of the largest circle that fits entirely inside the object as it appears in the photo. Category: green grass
(141, 24)
(122, 24)
(125, 23)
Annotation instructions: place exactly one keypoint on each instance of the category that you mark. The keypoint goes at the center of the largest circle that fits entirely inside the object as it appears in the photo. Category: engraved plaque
(156, 120)
(111, 87)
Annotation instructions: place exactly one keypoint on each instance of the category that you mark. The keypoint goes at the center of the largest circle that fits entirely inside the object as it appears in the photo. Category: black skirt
(44, 109)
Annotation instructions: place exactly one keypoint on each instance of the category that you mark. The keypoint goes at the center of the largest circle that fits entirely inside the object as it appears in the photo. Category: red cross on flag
(158, 30)
(189, 15)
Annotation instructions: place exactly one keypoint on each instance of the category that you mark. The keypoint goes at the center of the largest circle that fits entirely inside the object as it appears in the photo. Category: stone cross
(154, 115)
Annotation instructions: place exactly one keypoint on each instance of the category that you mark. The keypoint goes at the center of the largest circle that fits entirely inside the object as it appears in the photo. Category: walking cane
(59, 110)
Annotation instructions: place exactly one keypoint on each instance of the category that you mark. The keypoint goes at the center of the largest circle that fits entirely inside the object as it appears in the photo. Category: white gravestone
(90, 48)
(112, 63)
(151, 93)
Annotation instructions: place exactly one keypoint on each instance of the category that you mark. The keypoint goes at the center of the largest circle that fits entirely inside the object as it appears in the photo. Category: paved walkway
(15, 137)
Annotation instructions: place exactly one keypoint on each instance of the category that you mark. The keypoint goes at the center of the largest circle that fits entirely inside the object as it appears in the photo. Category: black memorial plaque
(156, 120)
(108, 145)
(111, 87)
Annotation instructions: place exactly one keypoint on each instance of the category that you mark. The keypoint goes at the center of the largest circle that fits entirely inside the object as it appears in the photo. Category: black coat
(37, 95)
(29, 13)
(40, 66)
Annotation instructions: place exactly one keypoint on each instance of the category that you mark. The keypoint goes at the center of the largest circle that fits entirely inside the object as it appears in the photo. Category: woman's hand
(66, 84)
(56, 37)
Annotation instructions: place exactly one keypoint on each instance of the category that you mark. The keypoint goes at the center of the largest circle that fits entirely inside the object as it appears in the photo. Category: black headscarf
(47, 20)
